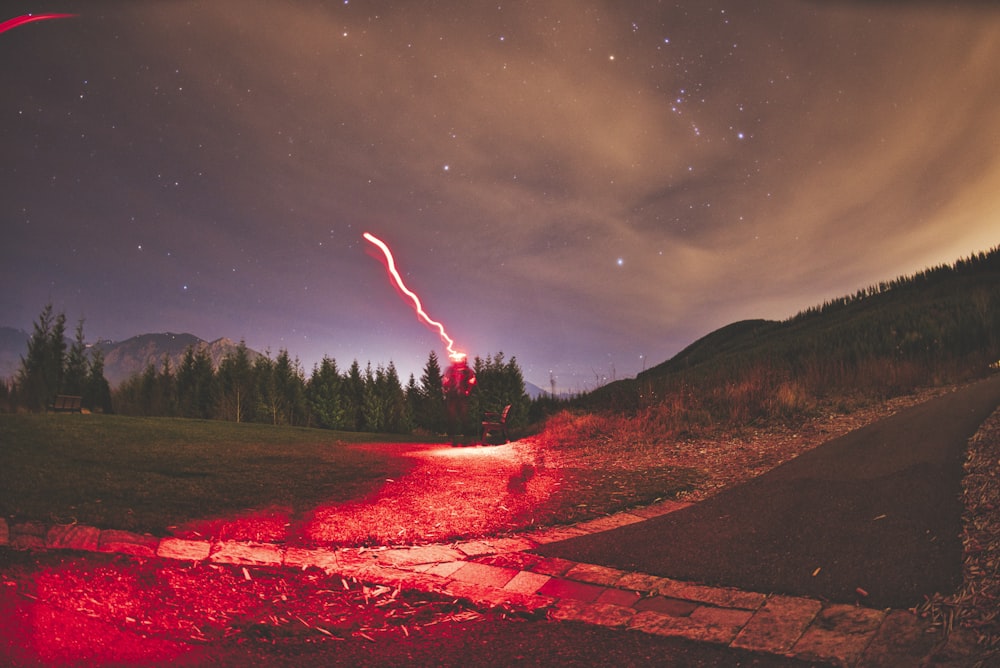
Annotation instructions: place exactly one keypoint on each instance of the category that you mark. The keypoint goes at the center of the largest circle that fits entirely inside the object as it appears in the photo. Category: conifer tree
(75, 380)
(98, 393)
(325, 395)
(235, 384)
(40, 377)
(431, 413)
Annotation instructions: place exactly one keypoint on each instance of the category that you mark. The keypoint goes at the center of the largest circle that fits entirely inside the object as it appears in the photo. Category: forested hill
(940, 325)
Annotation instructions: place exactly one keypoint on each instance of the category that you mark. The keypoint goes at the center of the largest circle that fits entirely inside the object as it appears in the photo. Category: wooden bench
(67, 403)
(493, 422)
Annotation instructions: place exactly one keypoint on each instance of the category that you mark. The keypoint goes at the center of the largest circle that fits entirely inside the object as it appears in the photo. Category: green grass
(146, 474)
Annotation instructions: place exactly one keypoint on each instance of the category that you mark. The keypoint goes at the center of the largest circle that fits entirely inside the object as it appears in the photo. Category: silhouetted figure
(458, 382)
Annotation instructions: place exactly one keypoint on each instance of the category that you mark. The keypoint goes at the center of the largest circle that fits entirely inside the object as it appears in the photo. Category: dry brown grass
(651, 439)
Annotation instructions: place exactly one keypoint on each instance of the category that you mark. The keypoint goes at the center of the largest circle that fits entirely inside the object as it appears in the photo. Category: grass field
(172, 476)
(147, 474)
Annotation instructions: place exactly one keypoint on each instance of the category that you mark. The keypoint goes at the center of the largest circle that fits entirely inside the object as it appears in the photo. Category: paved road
(877, 509)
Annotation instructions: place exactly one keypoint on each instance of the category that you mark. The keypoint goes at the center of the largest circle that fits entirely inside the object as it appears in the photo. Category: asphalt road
(877, 510)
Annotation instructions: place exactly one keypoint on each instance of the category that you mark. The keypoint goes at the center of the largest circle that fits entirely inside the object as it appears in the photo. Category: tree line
(259, 389)
(52, 367)
(277, 391)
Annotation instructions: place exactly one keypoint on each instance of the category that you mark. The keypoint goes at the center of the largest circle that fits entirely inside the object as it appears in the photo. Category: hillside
(940, 325)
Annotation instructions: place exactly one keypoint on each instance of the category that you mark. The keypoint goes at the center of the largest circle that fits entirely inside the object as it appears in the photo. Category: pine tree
(41, 374)
(354, 395)
(77, 371)
(373, 402)
(431, 413)
(98, 393)
(235, 384)
(394, 401)
(195, 381)
(324, 394)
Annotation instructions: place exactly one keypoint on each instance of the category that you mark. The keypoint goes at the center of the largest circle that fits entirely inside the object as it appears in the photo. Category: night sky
(588, 186)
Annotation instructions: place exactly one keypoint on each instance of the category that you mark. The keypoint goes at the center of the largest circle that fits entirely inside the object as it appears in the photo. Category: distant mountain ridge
(124, 359)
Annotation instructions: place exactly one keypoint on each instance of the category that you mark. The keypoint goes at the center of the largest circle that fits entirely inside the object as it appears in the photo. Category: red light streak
(28, 18)
(453, 354)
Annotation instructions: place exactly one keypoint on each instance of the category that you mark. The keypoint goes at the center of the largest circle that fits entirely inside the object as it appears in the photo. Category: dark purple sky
(588, 186)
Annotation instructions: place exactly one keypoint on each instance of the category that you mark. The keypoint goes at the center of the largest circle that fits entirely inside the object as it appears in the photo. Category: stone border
(502, 572)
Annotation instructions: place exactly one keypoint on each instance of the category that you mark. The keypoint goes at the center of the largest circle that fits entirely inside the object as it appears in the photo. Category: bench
(67, 403)
(493, 422)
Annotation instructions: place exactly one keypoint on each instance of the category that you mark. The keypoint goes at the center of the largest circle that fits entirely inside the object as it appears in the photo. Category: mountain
(534, 391)
(124, 359)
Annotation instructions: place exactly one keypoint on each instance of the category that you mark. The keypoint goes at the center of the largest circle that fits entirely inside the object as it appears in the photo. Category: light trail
(453, 354)
(29, 18)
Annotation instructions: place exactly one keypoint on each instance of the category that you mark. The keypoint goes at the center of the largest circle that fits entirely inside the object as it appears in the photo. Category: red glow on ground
(397, 280)
(77, 616)
(10, 24)
(265, 525)
(450, 493)
(439, 493)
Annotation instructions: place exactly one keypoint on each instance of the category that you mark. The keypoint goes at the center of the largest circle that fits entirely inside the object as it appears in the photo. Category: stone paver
(302, 558)
(488, 576)
(72, 537)
(839, 634)
(723, 597)
(477, 548)
(522, 561)
(183, 550)
(622, 597)
(570, 589)
(552, 566)
(425, 554)
(526, 582)
(444, 569)
(722, 617)
(683, 627)
(126, 542)
(603, 614)
(28, 536)
(778, 625)
(600, 575)
(666, 606)
(639, 582)
(247, 554)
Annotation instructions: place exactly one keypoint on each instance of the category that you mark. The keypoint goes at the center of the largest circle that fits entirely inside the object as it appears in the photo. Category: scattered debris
(976, 605)
(204, 603)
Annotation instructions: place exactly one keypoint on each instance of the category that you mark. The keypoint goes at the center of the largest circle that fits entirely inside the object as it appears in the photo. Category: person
(457, 383)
